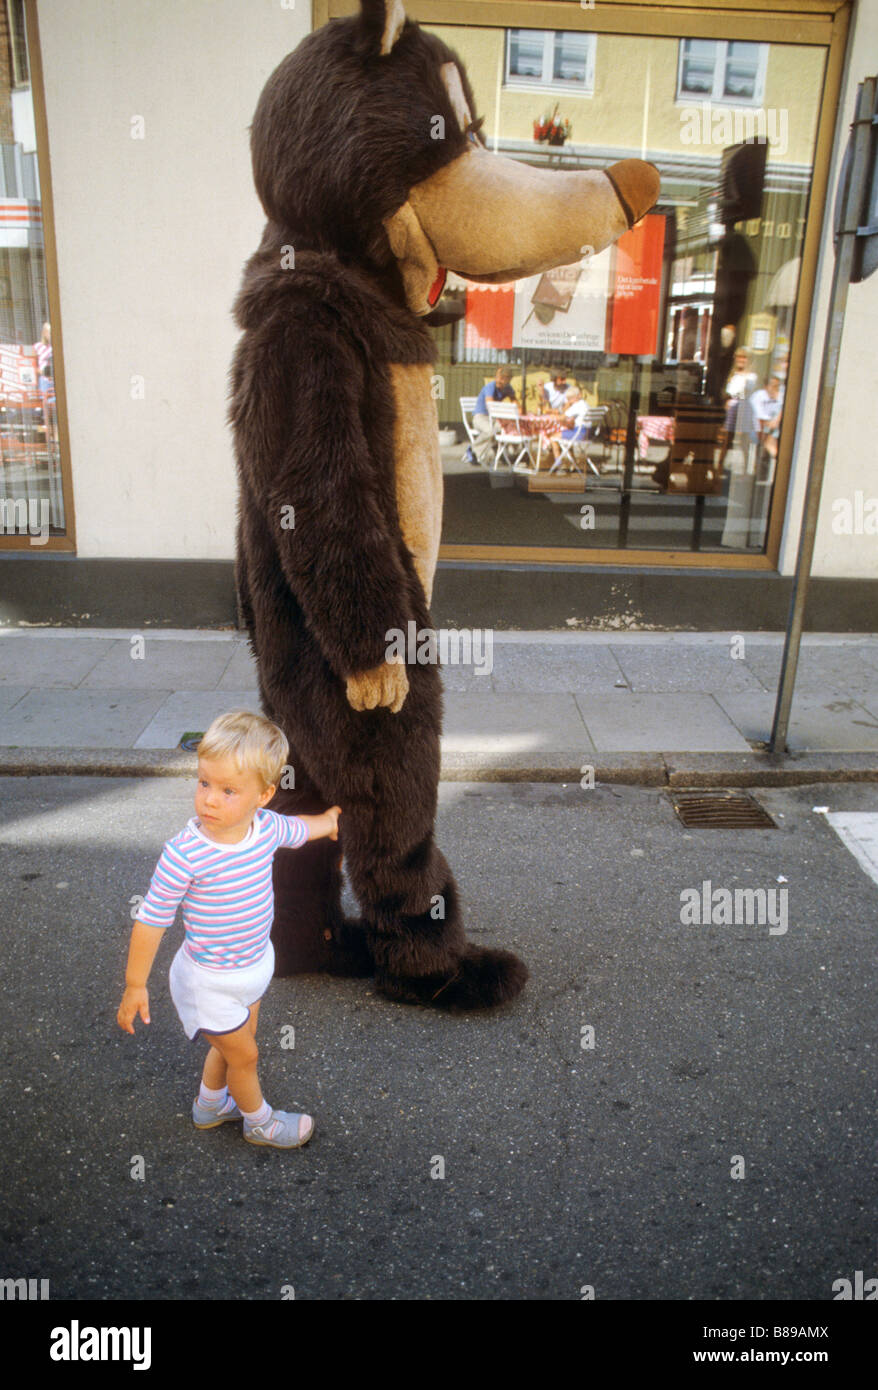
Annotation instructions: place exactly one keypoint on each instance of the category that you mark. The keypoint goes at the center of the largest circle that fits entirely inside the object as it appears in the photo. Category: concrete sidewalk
(530, 706)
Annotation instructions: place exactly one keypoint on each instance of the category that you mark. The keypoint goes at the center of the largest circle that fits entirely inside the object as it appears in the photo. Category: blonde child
(220, 869)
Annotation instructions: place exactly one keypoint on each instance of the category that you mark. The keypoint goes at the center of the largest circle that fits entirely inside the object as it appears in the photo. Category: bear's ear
(416, 259)
(381, 23)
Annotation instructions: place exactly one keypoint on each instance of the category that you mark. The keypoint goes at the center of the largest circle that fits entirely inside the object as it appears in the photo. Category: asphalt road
(718, 1050)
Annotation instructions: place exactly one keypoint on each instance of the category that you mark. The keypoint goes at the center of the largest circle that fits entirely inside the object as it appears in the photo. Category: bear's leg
(407, 894)
(310, 932)
(441, 969)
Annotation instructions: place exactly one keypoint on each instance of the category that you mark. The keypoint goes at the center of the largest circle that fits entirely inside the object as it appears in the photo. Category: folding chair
(509, 435)
(485, 449)
(593, 423)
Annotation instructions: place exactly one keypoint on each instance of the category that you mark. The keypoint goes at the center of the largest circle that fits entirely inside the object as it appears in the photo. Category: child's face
(227, 797)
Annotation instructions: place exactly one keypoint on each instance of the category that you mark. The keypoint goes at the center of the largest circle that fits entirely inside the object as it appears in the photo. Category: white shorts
(217, 1001)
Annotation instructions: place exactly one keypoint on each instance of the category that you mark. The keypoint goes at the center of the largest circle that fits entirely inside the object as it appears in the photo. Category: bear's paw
(385, 686)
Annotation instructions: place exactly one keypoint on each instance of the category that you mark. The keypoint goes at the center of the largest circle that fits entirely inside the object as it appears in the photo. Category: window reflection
(674, 345)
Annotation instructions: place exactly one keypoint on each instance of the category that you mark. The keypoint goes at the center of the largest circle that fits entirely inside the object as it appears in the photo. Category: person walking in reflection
(46, 383)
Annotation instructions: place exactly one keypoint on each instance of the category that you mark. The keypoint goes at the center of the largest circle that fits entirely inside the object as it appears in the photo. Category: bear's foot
(479, 979)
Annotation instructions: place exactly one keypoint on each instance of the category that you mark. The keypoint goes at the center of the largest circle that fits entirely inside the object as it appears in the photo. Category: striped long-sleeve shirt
(226, 890)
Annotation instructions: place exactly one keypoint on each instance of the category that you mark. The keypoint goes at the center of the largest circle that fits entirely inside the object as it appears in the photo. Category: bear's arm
(302, 444)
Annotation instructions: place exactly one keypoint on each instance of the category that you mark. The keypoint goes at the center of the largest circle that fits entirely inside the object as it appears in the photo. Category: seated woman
(576, 412)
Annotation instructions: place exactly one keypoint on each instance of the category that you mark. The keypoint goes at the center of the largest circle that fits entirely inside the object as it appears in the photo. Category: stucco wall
(152, 234)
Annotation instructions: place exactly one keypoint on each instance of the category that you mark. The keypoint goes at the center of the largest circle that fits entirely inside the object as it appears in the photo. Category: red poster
(636, 288)
(489, 310)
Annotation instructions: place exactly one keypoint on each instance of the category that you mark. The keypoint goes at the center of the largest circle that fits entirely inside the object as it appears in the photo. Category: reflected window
(649, 381)
(715, 70)
(541, 57)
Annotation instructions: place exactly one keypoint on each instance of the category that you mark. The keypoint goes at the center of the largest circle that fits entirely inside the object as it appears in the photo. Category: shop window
(713, 70)
(670, 350)
(541, 58)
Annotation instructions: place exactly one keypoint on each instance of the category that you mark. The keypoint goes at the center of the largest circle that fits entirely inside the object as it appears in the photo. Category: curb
(636, 769)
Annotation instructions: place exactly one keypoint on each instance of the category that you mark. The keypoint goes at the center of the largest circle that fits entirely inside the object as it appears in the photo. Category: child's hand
(334, 812)
(134, 1001)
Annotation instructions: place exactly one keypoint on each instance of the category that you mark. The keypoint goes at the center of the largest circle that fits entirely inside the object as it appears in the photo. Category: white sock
(258, 1117)
(214, 1099)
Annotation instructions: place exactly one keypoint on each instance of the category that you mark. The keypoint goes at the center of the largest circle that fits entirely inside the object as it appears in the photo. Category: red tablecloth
(545, 425)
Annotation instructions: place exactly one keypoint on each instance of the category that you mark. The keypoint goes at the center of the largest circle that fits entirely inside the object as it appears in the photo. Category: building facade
(695, 344)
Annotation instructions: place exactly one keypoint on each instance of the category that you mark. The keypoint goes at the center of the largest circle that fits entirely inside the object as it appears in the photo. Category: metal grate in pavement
(720, 810)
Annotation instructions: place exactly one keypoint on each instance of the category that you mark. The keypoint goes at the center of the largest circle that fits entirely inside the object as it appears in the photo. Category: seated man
(555, 391)
(767, 405)
(496, 390)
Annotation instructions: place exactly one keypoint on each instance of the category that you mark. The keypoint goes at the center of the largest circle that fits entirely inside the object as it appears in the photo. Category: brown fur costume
(333, 417)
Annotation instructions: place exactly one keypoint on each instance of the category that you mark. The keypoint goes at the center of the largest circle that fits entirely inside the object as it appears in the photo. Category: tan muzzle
(496, 219)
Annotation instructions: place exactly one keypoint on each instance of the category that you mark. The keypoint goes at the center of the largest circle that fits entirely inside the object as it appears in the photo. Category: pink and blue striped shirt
(226, 890)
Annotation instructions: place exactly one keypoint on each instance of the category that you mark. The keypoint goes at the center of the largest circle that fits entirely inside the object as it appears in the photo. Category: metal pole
(852, 201)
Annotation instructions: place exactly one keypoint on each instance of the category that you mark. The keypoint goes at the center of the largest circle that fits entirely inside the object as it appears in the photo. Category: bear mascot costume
(375, 180)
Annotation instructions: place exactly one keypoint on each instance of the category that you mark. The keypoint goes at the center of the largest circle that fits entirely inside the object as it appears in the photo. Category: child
(219, 867)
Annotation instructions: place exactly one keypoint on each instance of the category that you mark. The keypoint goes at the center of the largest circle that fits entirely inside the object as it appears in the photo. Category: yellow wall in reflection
(635, 103)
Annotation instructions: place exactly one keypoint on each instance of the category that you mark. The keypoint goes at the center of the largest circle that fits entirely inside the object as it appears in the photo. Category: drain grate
(190, 742)
(723, 810)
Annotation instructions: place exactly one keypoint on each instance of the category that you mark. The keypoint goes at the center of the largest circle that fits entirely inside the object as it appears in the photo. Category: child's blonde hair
(251, 741)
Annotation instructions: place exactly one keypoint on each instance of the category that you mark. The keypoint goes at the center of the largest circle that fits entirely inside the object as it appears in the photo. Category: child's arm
(321, 826)
(141, 954)
(296, 829)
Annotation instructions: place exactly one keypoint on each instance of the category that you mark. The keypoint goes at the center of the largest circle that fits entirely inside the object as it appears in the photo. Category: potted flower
(549, 130)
